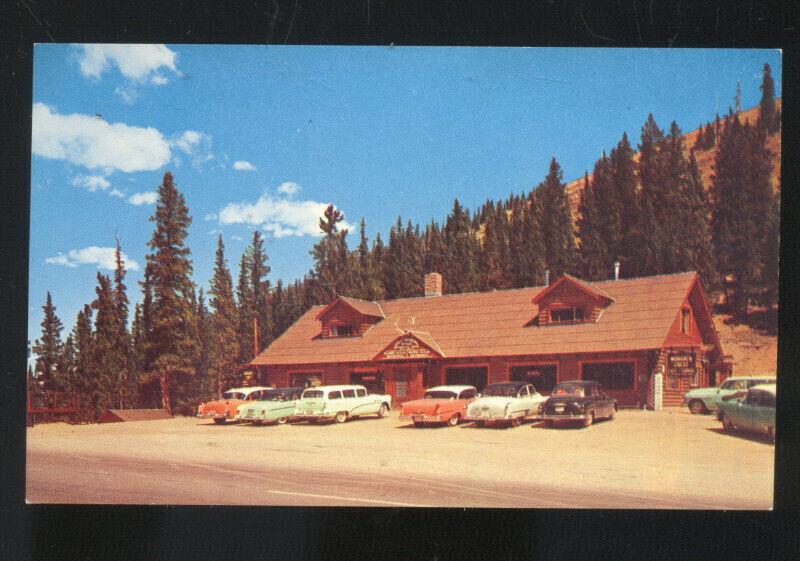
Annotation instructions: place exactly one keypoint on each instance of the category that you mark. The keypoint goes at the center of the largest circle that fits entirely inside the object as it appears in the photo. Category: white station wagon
(340, 403)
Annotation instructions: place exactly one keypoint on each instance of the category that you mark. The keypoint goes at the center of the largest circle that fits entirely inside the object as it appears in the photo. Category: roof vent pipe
(616, 270)
(547, 277)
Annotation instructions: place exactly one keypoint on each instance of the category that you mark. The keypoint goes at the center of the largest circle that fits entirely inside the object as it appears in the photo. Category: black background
(204, 533)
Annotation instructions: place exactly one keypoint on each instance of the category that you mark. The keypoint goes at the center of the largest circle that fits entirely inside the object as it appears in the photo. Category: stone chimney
(433, 284)
(616, 270)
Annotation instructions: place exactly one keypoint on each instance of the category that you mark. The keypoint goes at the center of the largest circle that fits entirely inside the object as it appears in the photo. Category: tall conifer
(224, 348)
(556, 221)
(48, 347)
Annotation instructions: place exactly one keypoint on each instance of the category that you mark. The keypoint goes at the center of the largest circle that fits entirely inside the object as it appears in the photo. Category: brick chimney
(433, 284)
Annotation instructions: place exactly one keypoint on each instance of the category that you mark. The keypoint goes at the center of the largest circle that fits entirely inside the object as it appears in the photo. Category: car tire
(340, 417)
(454, 420)
(696, 406)
(256, 423)
(727, 424)
(220, 421)
(549, 423)
(419, 424)
(383, 412)
(480, 424)
(517, 421)
(312, 421)
(587, 422)
(282, 420)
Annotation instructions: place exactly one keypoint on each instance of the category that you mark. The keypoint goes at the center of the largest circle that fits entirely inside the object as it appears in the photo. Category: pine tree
(766, 118)
(224, 346)
(85, 367)
(244, 295)
(495, 254)
(459, 262)
(330, 255)
(742, 198)
(123, 341)
(260, 291)
(594, 254)
(66, 366)
(172, 343)
(206, 379)
(556, 222)
(434, 248)
(699, 245)
(108, 357)
(654, 197)
(532, 250)
(48, 347)
(771, 256)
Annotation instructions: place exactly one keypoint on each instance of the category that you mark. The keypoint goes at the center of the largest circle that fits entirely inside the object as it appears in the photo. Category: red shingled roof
(364, 307)
(497, 324)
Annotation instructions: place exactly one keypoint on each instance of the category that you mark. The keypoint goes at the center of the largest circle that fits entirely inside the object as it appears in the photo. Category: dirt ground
(752, 352)
(641, 459)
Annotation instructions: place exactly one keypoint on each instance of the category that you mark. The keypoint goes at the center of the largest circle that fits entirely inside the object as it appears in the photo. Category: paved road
(638, 460)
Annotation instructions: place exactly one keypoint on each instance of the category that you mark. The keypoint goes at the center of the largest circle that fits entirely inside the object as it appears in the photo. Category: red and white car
(441, 404)
(223, 409)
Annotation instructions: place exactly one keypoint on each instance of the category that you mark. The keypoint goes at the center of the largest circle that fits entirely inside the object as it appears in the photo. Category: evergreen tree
(460, 272)
(330, 255)
(48, 347)
(85, 372)
(128, 383)
(766, 118)
(742, 198)
(172, 343)
(556, 221)
(531, 252)
(434, 248)
(654, 197)
(260, 291)
(244, 295)
(224, 345)
(699, 244)
(771, 256)
(66, 367)
(206, 380)
(108, 357)
(594, 254)
(403, 264)
(495, 251)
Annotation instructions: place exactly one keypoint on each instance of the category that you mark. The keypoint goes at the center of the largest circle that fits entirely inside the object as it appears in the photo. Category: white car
(340, 403)
(505, 402)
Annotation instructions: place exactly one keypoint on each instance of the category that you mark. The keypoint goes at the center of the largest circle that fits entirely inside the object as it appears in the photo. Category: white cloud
(195, 144)
(288, 188)
(159, 80)
(210, 216)
(116, 193)
(280, 217)
(147, 198)
(102, 257)
(135, 62)
(91, 182)
(96, 144)
(243, 165)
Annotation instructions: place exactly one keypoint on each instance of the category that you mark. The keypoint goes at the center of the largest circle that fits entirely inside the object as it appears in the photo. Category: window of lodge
(559, 315)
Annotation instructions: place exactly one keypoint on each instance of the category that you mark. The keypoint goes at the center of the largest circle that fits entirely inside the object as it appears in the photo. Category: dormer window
(342, 330)
(563, 315)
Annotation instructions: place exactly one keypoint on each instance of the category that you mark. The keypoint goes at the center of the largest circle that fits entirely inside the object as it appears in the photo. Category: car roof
(289, 389)
(514, 384)
(334, 388)
(249, 389)
(766, 387)
(456, 389)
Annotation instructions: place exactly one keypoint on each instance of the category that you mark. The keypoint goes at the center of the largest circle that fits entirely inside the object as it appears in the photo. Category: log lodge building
(620, 332)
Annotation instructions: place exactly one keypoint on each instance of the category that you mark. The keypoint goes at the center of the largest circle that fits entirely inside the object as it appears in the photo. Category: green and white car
(272, 406)
(706, 400)
(339, 403)
(754, 412)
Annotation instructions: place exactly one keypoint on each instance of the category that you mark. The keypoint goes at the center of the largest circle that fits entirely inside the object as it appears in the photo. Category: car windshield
(273, 396)
(575, 390)
(501, 390)
(312, 393)
(439, 394)
(233, 395)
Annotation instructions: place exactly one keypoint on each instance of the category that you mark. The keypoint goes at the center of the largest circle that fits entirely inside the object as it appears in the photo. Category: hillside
(751, 351)
(705, 158)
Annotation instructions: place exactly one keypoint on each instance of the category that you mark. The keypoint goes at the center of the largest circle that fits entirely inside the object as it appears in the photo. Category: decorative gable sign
(407, 347)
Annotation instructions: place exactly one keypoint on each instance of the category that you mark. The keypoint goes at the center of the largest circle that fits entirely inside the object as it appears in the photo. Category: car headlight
(577, 406)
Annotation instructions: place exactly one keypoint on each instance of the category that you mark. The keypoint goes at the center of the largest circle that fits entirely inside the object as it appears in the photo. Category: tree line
(652, 214)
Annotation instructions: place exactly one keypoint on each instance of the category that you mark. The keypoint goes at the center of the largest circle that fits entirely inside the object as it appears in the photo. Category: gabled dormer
(348, 317)
(569, 301)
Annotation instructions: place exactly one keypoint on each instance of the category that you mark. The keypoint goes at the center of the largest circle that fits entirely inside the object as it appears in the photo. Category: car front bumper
(420, 418)
(212, 415)
(563, 417)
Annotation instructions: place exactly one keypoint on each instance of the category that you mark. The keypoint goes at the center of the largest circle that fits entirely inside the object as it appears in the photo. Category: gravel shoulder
(641, 459)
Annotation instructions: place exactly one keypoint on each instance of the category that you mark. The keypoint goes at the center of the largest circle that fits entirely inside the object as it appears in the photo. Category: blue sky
(264, 136)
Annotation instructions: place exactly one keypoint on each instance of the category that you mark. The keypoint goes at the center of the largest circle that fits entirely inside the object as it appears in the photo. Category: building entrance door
(467, 376)
(542, 376)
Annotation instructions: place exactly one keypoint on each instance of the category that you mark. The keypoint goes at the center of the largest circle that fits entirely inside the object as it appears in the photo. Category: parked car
(272, 406)
(705, 400)
(753, 412)
(441, 404)
(504, 402)
(223, 409)
(578, 400)
(340, 403)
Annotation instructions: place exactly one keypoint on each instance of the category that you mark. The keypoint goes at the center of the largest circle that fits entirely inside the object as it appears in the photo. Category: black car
(579, 400)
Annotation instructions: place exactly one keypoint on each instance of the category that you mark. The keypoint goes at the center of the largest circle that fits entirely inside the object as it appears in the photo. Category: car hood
(220, 405)
(703, 392)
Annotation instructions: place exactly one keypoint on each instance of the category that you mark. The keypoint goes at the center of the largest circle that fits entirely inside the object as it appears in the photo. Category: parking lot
(641, 459)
